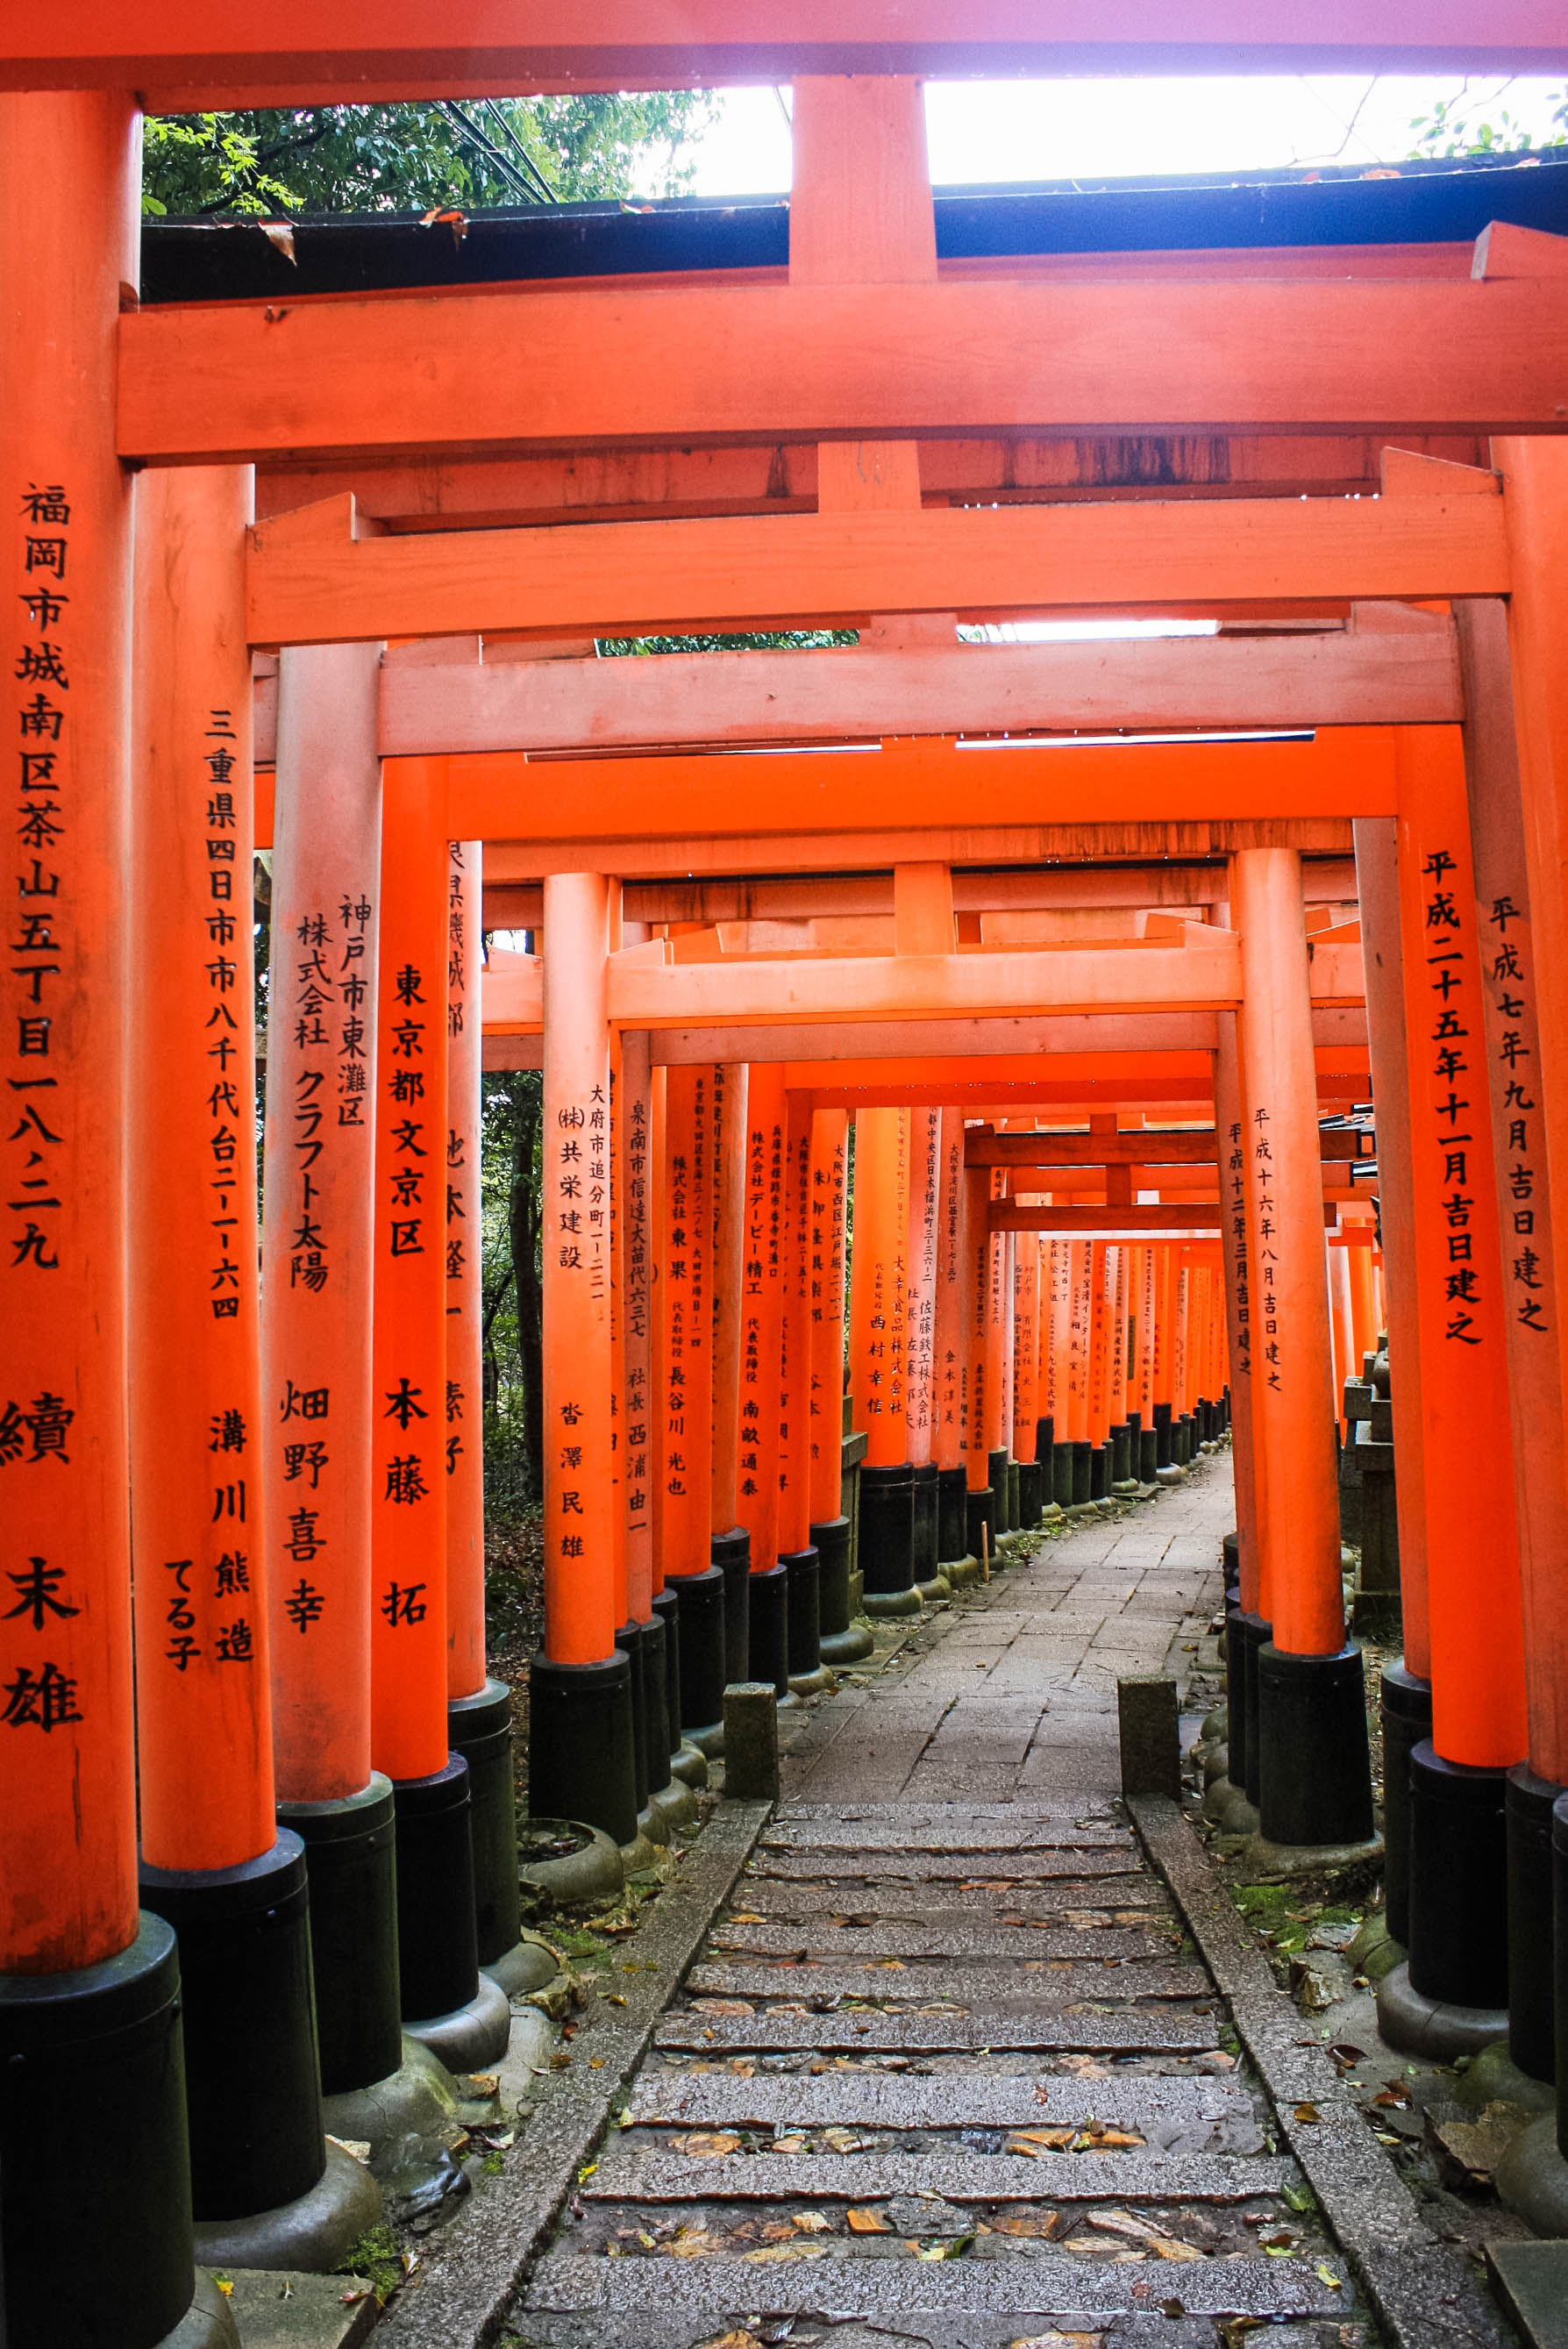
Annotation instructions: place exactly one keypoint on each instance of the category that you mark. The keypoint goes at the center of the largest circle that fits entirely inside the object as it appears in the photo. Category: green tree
(1468, 125)
(471, 157)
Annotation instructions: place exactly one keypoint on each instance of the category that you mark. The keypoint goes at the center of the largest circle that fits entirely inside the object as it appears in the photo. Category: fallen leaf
(692, 2244)
(719, 2006)
(1125, 2222)
(952, 2248)
(1028, 2222)
(771, 2251)
(1327, 2275)
(869, 2222)
(812, 2222)
(732, 2341)
(280, 236)
(1307, 2113)
(707, 2144)
(224, 2286)
(843, 2141)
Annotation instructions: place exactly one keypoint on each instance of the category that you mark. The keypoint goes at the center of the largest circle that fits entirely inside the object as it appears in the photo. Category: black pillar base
(1062, 1474)
(1255, 1636)
(1314, 1769)
(1560, 1943)
(1184, 1431)
(438, 1960)
(1231, 1559)
(1013, 1501)
(656, 1705)
(351, 1866)
(700, 1635)
(1459, 1881)
(771, 1628)
(1531, 1988)
(1235, 1696)
(997, 1478)
(1045, 1457)
(629, 1645)
(579, 1752)
(478, 1727)
(802, 1569)
(95, 2161)
(1406, 1706)
(951, 1517)
(1147, 1454)
(731, 1553)
(830, 1540)
(981, 1522)
(253, 2091)
(1162, 1454)
(1031, 1475)
(1120, 1443)
(924, 1516)
(1083, 1474)
(887, 1533)
(1099, 1471)
(666, 1610)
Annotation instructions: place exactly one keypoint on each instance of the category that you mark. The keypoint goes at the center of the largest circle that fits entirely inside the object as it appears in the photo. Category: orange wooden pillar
(438, 1958)
(1162, 1354)
(1121, 1465)
(830, 1531)
(645, 1635)
(1457, 1940)
(1522, 1080)
(925, 1132)
(879, 1358)
(1056, 1348)
(211, 1850)
(581, 1724)
(763, 1284)
(1141, 1379)
(68, 1899)
(693, 1600)
(1102, 1276)
(478, 1709)
(1362, 1285)
(1026, 1376)
(1080, 1315)
(993, 1387)
(980, 1518)
(1314, 1779)
(1341, 1327)
(731, 1547)
(798, 1553)
(949, 1357)
(315, 1437)
(1247, 1571)
(1406, 1687)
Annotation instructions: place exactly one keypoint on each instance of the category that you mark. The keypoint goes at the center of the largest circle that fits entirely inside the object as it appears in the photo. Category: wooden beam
(919, 781)
(1337, 678)
(483, 369)
(312, 580)
(636, 856)
(982, 1040)
(1108, 1222)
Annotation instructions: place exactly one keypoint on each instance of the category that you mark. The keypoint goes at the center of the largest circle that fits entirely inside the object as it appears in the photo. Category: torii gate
(852, 356)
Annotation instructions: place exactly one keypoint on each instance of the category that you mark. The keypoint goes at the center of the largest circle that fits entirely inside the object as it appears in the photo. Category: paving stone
(961, 1937)
(953, 1904)
(979, 1982)
(1087, 1862)
(1049, 2284)
(1167, 2029)
(965, 1831)
(881, 2100)
(624, 2174)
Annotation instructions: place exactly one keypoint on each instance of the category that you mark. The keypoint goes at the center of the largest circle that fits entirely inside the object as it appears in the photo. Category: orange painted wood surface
(321, 582)
(68, 1826)
(1476, 1630)
(948, 1353)
(795, 1348)
(684, 1456)
(319, 1219)
(829, 1153)
(878, 1283)
(463, 1431)
(638, 1446)
(407, 1371)
(764, 1280)
(329, 52)
(921, 1252)
(727, 1098)
(205, 1746)
(1026, 1347)
(1240, 1309)
(1336, 677)
(493, 370)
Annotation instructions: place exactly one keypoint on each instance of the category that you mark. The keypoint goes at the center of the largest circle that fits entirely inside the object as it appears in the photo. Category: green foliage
(509, 1168)
(375, 2256)
(1451, 127)
(472, 157)
(770, 640)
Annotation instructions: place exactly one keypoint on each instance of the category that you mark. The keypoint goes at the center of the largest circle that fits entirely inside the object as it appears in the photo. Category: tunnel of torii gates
(1092, 949)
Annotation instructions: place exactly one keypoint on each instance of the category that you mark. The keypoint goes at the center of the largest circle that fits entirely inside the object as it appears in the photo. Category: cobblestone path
(946, 2072)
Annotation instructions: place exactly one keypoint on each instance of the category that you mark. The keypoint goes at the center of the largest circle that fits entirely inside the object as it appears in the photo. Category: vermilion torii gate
(353, 1570)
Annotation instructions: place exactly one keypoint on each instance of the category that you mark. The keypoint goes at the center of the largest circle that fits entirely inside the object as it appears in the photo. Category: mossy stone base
(315, 2232)
(885, 1606)
(518, 1971)
(1291, 1859)
(818, 1684)
(851, 1647)
(418, 2099)
(585, 1877)
(209, 2321)
(1532, 2178)
(690, 1763)
(1493, 2077)
(1418, 2025)
(933, 1592)
(1226, 1806)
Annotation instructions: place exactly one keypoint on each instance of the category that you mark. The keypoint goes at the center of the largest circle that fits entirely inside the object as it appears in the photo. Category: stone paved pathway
(947, 2071)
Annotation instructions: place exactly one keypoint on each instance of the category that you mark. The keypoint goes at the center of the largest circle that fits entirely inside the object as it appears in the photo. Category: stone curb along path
(1424, 2292)
(474, 2268)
